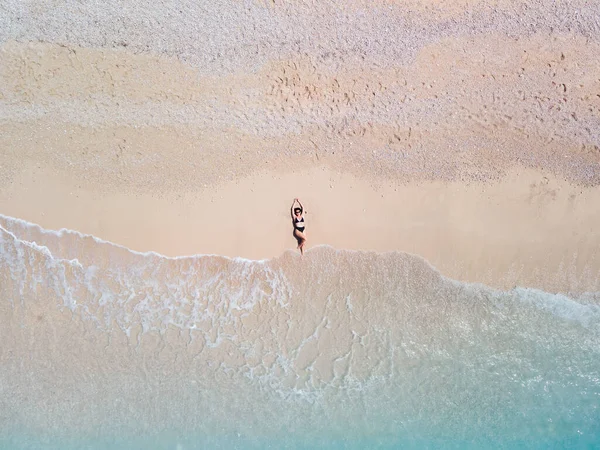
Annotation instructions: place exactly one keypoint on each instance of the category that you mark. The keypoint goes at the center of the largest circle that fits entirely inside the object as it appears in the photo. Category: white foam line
(560, 305)
(100, 241)
(33, 245)
(62, 231)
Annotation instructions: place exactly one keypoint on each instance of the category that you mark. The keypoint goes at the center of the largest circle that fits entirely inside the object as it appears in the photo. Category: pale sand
(528, 229)
(462, 109)
(465, 132)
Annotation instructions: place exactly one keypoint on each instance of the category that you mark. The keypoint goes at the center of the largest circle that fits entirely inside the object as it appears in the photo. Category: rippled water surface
(106, 348)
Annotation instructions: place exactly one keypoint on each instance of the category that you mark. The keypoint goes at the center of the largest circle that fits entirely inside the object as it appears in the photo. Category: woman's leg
(301, 238)
(299, 235)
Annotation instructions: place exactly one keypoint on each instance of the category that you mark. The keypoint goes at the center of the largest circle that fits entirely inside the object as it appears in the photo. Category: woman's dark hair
(296, 210)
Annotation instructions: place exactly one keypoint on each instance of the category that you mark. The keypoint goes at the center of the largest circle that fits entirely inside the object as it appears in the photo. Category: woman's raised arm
(292, 208)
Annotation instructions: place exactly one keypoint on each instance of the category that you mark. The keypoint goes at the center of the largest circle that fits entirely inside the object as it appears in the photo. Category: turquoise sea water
(104, 348)
(299, 443)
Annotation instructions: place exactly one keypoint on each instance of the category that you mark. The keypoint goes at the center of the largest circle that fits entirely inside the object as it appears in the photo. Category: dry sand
(465, 132)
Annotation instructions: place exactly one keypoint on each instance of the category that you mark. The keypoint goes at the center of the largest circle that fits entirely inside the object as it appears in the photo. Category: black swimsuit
(299, 224)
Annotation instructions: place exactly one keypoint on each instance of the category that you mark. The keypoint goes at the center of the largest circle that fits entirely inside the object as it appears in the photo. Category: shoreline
(478, 154)
(527, 229)
(447, 155)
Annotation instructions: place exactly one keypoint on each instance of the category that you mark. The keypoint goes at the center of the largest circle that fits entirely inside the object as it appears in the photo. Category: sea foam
(343, 348)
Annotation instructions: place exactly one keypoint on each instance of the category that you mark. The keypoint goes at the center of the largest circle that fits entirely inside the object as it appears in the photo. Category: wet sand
(528, 229)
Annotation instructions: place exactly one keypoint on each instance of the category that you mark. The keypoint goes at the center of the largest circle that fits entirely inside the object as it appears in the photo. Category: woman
(299, 225)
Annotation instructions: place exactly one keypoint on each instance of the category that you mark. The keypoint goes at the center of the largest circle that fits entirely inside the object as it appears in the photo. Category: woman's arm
(292, 209)
(301, 207)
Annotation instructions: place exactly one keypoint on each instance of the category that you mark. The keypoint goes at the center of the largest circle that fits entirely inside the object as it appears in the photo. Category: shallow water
(106, 348)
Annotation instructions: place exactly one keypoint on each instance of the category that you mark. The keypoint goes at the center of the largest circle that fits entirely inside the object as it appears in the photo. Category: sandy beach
(479, 154)
(448, 156)
(526, 229)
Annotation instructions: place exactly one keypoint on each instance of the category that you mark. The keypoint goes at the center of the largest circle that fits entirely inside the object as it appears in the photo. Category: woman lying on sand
(298, 222)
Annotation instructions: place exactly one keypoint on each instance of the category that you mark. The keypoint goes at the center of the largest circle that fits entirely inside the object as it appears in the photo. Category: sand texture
(448, 156)
(465, 132)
